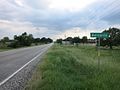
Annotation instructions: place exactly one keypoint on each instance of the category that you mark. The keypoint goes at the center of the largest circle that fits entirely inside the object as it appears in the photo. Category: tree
(43, 40)
(5, 39)
(3, 42)
(37, 41)
(49, 40)
(84, 39)
(30, 39)
(15, 37)
(26, 40)
(22, 40)
(59, 41)
(114, 39)
(76, 40)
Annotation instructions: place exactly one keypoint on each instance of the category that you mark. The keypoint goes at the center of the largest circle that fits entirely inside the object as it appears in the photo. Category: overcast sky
(57, 18)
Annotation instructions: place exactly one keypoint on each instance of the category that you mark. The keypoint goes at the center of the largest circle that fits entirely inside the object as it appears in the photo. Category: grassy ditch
(76, 68)
(5, 49)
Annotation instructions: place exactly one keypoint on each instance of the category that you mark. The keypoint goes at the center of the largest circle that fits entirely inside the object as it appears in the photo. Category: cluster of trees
(73, 40)
(113, 40)
(23, 40)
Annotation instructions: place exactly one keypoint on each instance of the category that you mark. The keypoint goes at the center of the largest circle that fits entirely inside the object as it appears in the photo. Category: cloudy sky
(57, 18)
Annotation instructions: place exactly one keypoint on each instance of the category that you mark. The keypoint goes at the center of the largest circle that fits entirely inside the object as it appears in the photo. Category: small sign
(100, 35)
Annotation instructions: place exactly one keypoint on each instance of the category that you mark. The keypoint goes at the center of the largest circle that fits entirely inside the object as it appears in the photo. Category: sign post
(99, 36)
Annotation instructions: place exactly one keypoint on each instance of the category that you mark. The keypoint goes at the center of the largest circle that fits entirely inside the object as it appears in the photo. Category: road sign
(100, 35)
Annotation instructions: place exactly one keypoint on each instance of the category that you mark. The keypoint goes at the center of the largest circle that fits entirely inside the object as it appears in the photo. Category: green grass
(76, 68)
(5, 49)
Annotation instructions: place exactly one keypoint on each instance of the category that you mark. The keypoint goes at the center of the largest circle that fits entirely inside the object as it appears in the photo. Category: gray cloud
(99, 15)
(38, 4)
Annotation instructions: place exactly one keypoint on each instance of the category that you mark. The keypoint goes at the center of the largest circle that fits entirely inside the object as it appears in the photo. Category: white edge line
(4, 81)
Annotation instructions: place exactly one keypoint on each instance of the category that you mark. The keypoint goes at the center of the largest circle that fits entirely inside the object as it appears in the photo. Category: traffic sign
(100, 35)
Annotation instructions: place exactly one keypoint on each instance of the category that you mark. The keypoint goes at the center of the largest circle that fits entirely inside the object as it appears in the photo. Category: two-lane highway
(11, 61)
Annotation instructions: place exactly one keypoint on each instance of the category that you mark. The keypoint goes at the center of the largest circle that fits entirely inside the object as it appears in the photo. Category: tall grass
(5, 49)
(76, 68)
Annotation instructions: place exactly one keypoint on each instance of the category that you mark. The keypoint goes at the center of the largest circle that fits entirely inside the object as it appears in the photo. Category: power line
(94, 14)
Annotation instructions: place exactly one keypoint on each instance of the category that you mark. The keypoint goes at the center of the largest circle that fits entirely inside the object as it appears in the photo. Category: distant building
(89, 41)
(92, 41)
(66, 42)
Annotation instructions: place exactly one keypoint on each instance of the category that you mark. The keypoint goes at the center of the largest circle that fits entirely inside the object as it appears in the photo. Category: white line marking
(4, 81)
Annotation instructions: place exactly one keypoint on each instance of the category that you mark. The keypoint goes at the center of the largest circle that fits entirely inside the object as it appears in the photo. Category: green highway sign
(100, 35)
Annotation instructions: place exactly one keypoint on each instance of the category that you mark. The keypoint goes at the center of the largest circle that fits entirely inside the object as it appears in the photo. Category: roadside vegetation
(5, 49)
(76, 68)
(113, 40)
(23, 40)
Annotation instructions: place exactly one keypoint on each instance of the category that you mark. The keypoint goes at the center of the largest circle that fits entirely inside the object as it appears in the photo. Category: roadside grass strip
(76, 68)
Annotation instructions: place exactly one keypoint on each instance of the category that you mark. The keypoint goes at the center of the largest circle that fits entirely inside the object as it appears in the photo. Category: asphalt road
(13, 60)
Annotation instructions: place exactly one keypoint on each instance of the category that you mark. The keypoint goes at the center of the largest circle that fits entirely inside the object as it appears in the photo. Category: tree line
(23, 40)
(113, 40)
(76, 40)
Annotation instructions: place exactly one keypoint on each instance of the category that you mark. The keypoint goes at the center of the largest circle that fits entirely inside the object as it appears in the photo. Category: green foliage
(23, 40)
(114, 39)
(76, 68)
(84, 39)
(5, 39)
(42, 40)
(46, 40)
(4, 42)
(76, 40)
(59, 41)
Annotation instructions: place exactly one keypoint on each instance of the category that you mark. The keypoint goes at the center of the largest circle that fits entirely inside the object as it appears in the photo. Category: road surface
(13, 60)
